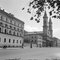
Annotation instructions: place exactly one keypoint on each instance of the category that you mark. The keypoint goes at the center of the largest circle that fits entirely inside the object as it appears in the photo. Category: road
(29, 53)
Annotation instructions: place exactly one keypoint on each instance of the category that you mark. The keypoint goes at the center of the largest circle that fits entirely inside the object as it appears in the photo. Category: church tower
(50, 26)
(45, 24)
(47, 30)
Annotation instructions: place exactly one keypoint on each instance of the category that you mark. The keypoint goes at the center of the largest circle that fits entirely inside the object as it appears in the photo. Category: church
(47, 30)
(42, 38)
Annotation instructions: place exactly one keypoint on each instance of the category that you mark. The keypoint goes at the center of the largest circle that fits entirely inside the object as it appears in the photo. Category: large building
(56, 42)
(11, 30)
(45, 38)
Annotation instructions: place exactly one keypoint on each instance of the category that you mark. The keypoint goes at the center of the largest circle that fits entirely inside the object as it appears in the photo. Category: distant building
(46, 37)
(34, 37)
(11, 30)
(56, 42)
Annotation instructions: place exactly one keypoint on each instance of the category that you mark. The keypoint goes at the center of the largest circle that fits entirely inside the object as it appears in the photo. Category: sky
(15, 7)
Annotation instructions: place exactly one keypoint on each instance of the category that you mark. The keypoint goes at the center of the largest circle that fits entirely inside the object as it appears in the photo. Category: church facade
(44, 38)
(47, 30)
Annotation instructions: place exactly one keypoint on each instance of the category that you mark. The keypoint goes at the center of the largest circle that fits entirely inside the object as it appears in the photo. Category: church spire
(50, 22)
(45, 19)
(45, 15)
(45, 24)
(50, 26)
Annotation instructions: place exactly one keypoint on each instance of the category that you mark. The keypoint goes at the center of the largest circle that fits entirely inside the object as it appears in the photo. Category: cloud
(30, 28)
(56, 32)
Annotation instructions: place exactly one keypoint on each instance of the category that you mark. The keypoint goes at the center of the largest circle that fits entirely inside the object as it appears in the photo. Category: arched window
(10, 32)
(0, 39)
(17, 34)
(0, 30)
(6, 25)
(20, 41)
(9, 40)
(17, 41)
(14, 28)
(14, 33)
(13, 41)
(20, 35)
(1, 24)
(5, 31)
(18, 29)
(4, 40)
(10, 27)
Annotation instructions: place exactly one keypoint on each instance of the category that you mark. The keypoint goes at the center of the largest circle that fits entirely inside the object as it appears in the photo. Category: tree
(40, 6)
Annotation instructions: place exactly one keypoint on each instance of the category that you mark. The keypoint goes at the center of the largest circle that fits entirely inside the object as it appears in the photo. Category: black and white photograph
(29, 29)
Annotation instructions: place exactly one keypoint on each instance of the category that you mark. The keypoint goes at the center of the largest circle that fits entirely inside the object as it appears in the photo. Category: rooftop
(9, 15)
(34, 33)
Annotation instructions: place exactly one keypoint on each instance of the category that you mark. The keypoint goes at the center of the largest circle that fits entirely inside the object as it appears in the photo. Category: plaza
(28, 53)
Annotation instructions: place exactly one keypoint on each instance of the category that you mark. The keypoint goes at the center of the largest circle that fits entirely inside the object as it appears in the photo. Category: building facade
(56, 42)
(11, 30)
(34, 38)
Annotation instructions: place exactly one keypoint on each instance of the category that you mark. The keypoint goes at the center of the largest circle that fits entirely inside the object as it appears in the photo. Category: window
(9, 40)
(32, 41)
(10, 32)
(35, 36)
(4, 39)
(17, 41)
(10, 27)
(20, 41)
(1, 23)
(21, 30)
(0, 16)
(18, 25)
(14, 23)
(32, 36)
(4, 18)
(0, 30)
(0, 39)
(5, 31)
(13, 33)
(13, 41)
(8, 20)
(11, 21)
(17, 34)
(6, 25)
(14, 28)
(20, 34)
(35, 41)
(18, 29)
